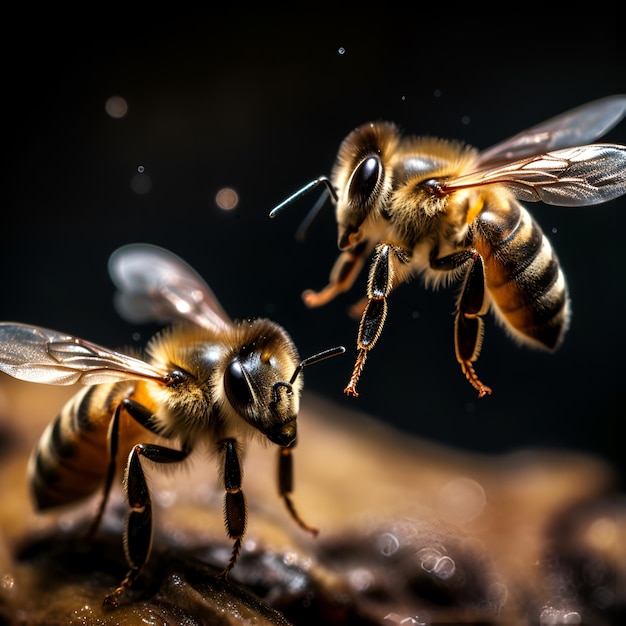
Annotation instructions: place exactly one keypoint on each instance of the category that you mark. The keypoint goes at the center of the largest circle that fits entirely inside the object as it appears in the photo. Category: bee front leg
(345, 270)
(472, 303)
(285, 486)
(235, 507)
(379, 285)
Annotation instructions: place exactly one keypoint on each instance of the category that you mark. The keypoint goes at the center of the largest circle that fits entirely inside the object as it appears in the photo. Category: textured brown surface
(410, 533)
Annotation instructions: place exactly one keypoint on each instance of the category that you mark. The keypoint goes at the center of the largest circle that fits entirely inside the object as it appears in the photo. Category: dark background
(260, 102)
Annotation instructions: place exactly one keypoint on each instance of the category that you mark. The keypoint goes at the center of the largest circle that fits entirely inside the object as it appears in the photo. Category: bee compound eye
(236, 384)
(365, 179)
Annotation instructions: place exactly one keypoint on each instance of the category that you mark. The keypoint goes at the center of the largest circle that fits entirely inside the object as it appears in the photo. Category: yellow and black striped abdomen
(523, 274)
(71, 459)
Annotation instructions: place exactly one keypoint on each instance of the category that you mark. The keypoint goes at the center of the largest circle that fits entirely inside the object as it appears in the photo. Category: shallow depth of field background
(259, 102)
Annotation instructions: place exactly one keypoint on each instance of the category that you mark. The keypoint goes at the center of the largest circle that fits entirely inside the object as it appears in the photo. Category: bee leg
(140, 414)
(285, 486)
(235, 508)
(357, 309)
(468, 325)
(345, 270)
(379, 286)
(112, 439)
(472, 303)
(138, 534)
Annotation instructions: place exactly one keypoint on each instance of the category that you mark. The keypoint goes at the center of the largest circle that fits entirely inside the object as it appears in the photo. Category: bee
(205, 381)
(449, 213)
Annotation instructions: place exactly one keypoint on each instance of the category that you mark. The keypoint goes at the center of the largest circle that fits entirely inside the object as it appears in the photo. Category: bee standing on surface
(206, 381)
(437, 208)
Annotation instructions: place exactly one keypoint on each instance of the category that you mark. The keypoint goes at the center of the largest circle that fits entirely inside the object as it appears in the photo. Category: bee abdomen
(523, 275)
(70, 460)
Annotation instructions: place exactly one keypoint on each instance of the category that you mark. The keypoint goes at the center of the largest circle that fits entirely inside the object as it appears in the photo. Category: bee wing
(155, 285)
(576, 127)
(40, 355)
(579, 176)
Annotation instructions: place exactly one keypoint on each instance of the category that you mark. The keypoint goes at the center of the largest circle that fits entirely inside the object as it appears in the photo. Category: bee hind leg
(138, 534)
(113, 437)
(472, 303)
(468, 335)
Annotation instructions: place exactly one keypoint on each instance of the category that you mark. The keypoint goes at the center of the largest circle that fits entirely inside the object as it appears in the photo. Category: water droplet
(116, 107)
(227, 199)
(462, 499)
(573, 617)
(7, 581)
(551, 616)
(140, 184)
(360, 579)
(498, 594)
(428, 558)
(398, 620)
(602, 533)
(387, 544)
(444, 568)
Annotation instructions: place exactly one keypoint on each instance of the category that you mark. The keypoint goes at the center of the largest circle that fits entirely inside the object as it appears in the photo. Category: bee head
(262, 381)
(362, 178)
(255, 381)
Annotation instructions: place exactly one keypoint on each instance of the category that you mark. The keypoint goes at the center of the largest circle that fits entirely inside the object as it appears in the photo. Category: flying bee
(205, 381)
(447, 212)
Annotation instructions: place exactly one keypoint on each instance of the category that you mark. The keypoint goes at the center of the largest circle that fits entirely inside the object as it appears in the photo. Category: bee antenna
(316, 358)
(315, 209)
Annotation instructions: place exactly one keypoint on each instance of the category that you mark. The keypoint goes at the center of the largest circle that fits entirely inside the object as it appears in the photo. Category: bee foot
(313, 299)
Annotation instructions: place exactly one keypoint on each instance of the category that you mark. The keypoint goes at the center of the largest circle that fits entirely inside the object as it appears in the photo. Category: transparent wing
(41, 355)
(576, 127)
(579, 176)
(155, 285)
